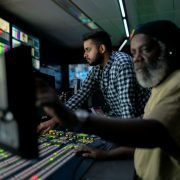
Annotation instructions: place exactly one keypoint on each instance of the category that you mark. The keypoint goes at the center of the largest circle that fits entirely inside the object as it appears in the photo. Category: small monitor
(77, 71)
(4, 48)
(18, 117)
(50, 80)
(20, 37)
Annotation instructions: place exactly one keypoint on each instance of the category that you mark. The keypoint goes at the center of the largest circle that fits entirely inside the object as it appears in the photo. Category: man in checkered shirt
(113, 73)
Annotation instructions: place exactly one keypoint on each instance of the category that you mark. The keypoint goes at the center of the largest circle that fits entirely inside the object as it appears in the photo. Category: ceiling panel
(49, 18)
(106, 14)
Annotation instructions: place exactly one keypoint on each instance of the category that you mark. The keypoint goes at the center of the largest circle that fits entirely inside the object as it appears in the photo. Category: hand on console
(89, 152)
(48, 99)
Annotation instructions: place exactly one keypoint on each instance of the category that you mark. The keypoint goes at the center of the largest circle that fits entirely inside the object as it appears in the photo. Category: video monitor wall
(11, 36)
(4, 36)
(19, 37)
(77, 71)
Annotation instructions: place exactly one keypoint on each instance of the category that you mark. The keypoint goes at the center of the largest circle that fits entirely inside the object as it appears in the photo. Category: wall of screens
(19, 37)
(4, 36)
(12, 36)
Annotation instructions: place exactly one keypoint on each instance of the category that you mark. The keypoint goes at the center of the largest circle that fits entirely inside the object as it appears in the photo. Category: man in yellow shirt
(156, 137)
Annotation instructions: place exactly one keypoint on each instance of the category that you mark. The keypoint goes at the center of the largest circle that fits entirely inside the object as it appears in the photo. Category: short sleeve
(164, 106)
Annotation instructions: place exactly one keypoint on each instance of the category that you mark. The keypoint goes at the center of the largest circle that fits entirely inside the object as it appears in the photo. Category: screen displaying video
(78, 71)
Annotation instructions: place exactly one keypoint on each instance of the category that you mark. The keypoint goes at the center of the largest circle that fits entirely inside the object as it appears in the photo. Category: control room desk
(110, 170)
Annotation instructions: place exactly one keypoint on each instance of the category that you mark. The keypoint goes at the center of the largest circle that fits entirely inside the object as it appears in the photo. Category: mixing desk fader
(57, 159)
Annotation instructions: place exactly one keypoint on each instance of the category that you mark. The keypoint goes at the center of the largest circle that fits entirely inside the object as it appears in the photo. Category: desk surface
(110, 170)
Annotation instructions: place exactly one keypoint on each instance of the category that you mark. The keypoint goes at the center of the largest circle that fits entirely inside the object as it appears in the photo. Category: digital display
(53, 71)
(23, 37)
(3, 48)
(15, 33)
(15, 43)
(20, 37)
(4, 25)
(35, 44)
(4, 35)
(78, 71)
(36, 63)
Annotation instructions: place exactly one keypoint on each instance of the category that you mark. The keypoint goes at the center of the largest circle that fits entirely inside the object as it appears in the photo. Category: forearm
(121, 153)
(78, 99)
(131, 132)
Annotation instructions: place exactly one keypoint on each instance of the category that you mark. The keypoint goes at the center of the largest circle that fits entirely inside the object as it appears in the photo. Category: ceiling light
(124, 17)
(77, 13)
(122, 8)
(126, 27)
(123, 44)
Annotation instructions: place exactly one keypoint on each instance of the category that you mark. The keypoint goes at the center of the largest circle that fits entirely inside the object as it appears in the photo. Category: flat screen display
(4, 48)
(20, 37)
(78, 71)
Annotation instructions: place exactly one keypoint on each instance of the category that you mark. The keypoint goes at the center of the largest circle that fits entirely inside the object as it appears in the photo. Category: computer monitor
(19, 37)
(77, 71)
(50, 80)
(18, 117)
(4, 36)
(4, 48)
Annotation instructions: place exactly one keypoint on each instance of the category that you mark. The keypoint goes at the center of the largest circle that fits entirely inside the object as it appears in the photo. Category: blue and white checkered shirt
(118, 84)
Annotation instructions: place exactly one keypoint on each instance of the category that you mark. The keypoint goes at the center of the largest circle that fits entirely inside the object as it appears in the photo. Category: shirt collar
(110, 61)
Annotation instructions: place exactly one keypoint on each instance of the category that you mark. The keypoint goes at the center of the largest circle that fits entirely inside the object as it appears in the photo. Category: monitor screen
(18, 117)
(50, 80)
(15, 43)
(4, 36)
(4, 31)
(4, 48)
(77, 71)
(4, 25)
(53, 75)
(20, 37)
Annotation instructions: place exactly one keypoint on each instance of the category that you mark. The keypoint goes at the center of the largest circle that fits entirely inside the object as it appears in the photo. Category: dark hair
(99, 37)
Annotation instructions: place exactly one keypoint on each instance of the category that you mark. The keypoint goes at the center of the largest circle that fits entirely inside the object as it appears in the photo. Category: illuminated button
(1, 150)
(51, 159)
(34, 178)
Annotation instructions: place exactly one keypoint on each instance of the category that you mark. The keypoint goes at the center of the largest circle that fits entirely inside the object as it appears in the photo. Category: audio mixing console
(57, 159)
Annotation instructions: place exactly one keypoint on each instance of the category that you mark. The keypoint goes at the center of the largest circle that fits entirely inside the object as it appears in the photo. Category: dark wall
(51, 51)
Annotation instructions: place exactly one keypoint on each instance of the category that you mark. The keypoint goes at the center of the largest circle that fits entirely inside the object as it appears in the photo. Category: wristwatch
(82, 117)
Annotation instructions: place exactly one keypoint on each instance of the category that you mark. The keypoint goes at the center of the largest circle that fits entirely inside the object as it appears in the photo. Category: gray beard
(153, 73)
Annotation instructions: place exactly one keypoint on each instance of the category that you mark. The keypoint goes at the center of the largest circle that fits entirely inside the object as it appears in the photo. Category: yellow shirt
(164, 106)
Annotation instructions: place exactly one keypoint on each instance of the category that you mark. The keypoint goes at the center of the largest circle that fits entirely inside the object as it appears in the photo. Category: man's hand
(89, 152)
(48, 99)
(116, 153)
(47, 125)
